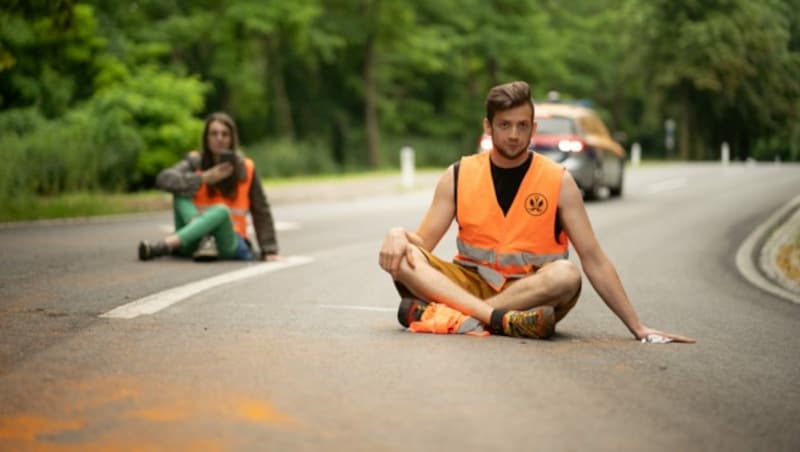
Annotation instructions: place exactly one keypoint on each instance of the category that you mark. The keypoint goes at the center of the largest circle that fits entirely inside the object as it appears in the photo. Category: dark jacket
(182, 179)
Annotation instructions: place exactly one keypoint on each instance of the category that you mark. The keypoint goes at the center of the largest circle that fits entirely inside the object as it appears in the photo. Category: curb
(756, 249)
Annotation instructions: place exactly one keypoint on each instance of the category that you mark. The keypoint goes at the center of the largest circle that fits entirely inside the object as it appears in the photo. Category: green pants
(191, 226)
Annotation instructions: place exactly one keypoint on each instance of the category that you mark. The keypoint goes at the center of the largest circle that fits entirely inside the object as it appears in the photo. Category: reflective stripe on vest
(507, 246)
(494, 277)
(508, 259)
(239, 206)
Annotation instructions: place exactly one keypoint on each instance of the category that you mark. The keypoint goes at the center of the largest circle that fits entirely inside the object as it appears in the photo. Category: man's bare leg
(428, 283)
(431, 285)
(554, 284)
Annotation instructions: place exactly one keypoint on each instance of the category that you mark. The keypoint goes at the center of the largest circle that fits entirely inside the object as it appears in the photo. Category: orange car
(576, 137)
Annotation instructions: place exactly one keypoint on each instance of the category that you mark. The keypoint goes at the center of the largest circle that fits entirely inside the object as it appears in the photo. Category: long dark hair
(228, 185)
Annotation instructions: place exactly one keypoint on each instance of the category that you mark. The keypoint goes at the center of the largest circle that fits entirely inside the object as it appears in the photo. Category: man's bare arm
(434, 225)
(440, 214)
(597, 266)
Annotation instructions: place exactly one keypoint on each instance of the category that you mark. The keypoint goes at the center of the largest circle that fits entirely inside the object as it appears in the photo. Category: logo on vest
(536, 204)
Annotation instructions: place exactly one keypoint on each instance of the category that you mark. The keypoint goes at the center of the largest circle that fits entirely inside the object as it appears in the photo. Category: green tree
(48, 52)
(723, 67)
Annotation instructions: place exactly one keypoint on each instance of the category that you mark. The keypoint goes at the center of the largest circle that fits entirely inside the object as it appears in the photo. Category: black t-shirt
(507, 182)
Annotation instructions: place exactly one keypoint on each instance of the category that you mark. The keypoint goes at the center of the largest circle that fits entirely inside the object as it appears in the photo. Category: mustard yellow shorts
(471, 281)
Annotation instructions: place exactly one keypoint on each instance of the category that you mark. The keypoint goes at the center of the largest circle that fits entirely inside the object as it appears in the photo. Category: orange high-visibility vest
(239, 205)
(508, 246)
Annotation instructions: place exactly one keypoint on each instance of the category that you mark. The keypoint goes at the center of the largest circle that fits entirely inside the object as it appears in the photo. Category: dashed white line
(666, 185)
(357, 308)
(156, 302)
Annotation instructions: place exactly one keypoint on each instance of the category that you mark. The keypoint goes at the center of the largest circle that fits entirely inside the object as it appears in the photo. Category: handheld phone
(227, 156)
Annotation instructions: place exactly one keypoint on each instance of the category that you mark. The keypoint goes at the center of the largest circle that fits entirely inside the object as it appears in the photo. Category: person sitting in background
(213, 190)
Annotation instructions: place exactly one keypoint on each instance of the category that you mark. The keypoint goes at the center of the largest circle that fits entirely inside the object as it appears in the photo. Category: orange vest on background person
(239, 206)
(508, 246)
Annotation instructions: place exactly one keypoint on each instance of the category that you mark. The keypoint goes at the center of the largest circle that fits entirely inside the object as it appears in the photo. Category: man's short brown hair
(506, 96)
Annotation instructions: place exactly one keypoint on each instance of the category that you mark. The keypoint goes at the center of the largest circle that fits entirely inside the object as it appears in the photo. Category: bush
(784, 145)
(161, 107)
(285, 158)
(79, 152)
(20, 121)
(428, 152)
(118, 140)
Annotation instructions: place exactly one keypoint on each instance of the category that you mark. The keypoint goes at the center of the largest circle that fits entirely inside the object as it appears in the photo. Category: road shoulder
(769, 257)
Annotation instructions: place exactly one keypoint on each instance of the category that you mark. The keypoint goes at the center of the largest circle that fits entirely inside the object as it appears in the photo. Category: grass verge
(70, 205)
(81, 205)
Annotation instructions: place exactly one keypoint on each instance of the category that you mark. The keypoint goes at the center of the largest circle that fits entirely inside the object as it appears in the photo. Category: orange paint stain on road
(29, 428)
(258, 411)
(119, 443)
(104, 412)
(189, 409)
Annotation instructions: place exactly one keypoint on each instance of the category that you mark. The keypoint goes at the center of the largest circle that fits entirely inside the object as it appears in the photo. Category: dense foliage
(99, 94)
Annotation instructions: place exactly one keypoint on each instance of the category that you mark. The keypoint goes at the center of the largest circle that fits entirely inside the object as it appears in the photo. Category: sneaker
(539, 323)
(207, 250)
(410, 310)
(149, 250)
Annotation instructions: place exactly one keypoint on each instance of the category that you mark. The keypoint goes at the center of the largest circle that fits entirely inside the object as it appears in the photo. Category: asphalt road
(310, 357)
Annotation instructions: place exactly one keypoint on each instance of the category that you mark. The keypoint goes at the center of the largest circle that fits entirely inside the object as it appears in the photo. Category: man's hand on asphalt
(652, 335)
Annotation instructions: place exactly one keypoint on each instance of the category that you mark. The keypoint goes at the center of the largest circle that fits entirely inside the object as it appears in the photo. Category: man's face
(219, 137)
(511, 130)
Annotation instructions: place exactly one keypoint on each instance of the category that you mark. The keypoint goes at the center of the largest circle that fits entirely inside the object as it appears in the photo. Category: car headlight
(570, 145)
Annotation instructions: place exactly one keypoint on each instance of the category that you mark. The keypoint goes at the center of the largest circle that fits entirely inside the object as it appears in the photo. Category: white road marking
(357, 308)
(279, 226)
(286, 225)
(156, 302)
(666, 185)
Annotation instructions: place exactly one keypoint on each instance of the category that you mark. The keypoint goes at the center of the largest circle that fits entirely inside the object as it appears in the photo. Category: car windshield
(555, 126)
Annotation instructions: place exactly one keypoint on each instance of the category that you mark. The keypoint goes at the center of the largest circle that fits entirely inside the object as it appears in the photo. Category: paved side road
(770, 258)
